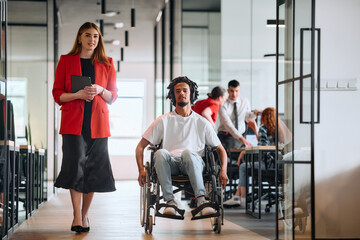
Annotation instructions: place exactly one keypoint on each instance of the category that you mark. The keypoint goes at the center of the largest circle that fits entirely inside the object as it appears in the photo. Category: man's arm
(229, 126)
(206, 113)
(139, 153)
(223, 158)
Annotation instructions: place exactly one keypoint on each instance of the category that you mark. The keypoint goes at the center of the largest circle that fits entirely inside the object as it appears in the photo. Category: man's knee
(160, 157)
(189, 157)
(186, 154)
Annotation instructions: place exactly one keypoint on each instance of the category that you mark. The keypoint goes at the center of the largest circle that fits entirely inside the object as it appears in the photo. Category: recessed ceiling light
(116, 42)
(119, 25)
(159, 16)
(110, 13)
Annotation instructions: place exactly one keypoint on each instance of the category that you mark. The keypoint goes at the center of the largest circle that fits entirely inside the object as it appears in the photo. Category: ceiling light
(133, 18)
(102, 27)
(159, 16)
(116, 42)
(126, 38)
(119, 25)
(110, 13)
(133, 15)
(103, 7)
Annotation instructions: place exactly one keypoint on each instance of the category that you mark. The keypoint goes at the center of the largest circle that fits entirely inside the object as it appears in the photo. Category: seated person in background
(266, 137)
(208, 108)
(183, 135)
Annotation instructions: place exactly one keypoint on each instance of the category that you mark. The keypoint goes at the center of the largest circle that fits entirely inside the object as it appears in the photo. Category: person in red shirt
(208, 108)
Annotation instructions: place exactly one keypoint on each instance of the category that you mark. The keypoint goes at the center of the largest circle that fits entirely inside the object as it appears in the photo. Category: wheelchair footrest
(177, 217)
(201, 207)
(178, 210)
(206, 216)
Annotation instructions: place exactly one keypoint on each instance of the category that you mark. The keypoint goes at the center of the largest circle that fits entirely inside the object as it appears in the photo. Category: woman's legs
(87, 198)
(80, 214)
(76, 203)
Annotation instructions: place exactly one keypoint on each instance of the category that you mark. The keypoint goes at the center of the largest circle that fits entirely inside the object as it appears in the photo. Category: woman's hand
(240, 158)
(93, 90)
(84, 95)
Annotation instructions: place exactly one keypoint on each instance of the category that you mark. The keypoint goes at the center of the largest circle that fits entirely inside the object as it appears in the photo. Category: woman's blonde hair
(268, 118)
(99, 52)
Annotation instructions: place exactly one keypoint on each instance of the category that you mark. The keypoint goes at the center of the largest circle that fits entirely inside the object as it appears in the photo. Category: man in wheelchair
(183, 135)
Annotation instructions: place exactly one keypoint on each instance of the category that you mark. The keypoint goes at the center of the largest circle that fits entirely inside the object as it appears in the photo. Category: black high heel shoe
(77, 228)
(86, 229)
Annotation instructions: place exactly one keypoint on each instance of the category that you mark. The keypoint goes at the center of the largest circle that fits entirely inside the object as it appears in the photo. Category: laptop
(251, 138)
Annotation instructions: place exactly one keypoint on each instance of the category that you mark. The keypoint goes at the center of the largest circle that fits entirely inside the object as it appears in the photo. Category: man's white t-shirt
(179, 133)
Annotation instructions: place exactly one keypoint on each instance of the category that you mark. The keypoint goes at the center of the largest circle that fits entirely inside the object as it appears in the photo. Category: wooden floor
(116, 216)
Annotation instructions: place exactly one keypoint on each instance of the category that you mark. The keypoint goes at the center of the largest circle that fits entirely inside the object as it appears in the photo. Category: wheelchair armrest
(156, 147)
(152, 148)
(211, 149)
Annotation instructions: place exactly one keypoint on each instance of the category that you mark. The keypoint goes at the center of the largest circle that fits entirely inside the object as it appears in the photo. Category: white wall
(235, 43)
(245, 39)
(336, 141)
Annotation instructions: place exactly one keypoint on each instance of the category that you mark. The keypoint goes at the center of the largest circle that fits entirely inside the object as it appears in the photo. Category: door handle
(318, 31)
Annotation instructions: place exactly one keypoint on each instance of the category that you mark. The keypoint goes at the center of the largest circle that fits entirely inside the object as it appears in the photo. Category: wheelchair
(150, 193)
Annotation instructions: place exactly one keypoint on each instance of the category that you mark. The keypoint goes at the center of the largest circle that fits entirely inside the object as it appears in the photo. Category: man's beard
(183, 104)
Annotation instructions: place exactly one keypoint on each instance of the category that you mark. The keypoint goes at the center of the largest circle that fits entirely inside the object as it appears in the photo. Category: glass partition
(3, 130)
(27, 72)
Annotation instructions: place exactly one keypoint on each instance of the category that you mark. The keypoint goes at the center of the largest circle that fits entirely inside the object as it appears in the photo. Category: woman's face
(222, 99)
(89, 39)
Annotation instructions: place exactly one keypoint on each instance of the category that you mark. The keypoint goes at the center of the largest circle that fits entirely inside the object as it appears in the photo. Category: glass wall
(27, 85)
(219, 41)
(27, 70)
(167, 32)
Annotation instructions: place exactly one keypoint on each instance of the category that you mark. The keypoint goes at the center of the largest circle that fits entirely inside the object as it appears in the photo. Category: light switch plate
(342, 84)
(352, 84)
(331, 84)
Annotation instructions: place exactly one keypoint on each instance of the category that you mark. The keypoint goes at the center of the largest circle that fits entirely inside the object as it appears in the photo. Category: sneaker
(207, 210)
(170, 210)
(232, 202)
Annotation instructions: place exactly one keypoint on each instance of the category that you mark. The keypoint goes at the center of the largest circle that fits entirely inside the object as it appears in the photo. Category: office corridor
(116, 216)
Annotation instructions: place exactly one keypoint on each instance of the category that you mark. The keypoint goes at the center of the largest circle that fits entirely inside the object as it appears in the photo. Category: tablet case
(79, 82)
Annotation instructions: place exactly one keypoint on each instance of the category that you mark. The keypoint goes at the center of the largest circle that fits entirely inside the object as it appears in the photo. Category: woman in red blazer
(84, 126)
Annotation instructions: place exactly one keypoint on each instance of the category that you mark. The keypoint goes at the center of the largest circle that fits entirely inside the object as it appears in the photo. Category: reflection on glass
(123, 147)
(2, 152)
(126, 116)
(158, 80)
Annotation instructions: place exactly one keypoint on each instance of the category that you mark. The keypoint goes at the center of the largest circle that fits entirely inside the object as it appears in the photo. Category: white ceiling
(73, 13)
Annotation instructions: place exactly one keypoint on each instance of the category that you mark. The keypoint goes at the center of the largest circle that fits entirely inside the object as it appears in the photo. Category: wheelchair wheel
(217, 225)
(302, 224)
(150, 224)
(217, 196)
(143, 205)
(146, 203)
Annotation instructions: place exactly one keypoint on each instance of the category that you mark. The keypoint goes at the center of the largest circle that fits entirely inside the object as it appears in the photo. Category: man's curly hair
(194, 93)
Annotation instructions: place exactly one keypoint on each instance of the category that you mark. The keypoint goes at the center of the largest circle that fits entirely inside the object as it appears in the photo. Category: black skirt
(86, 165)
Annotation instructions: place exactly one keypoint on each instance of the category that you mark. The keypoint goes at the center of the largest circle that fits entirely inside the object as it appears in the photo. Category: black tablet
(79, 82)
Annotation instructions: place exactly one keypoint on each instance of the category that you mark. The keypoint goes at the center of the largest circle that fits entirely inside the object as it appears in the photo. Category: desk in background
(233, 170)
(254, 189)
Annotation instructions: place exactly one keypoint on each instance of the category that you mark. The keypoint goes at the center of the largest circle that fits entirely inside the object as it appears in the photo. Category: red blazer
(72, 113)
